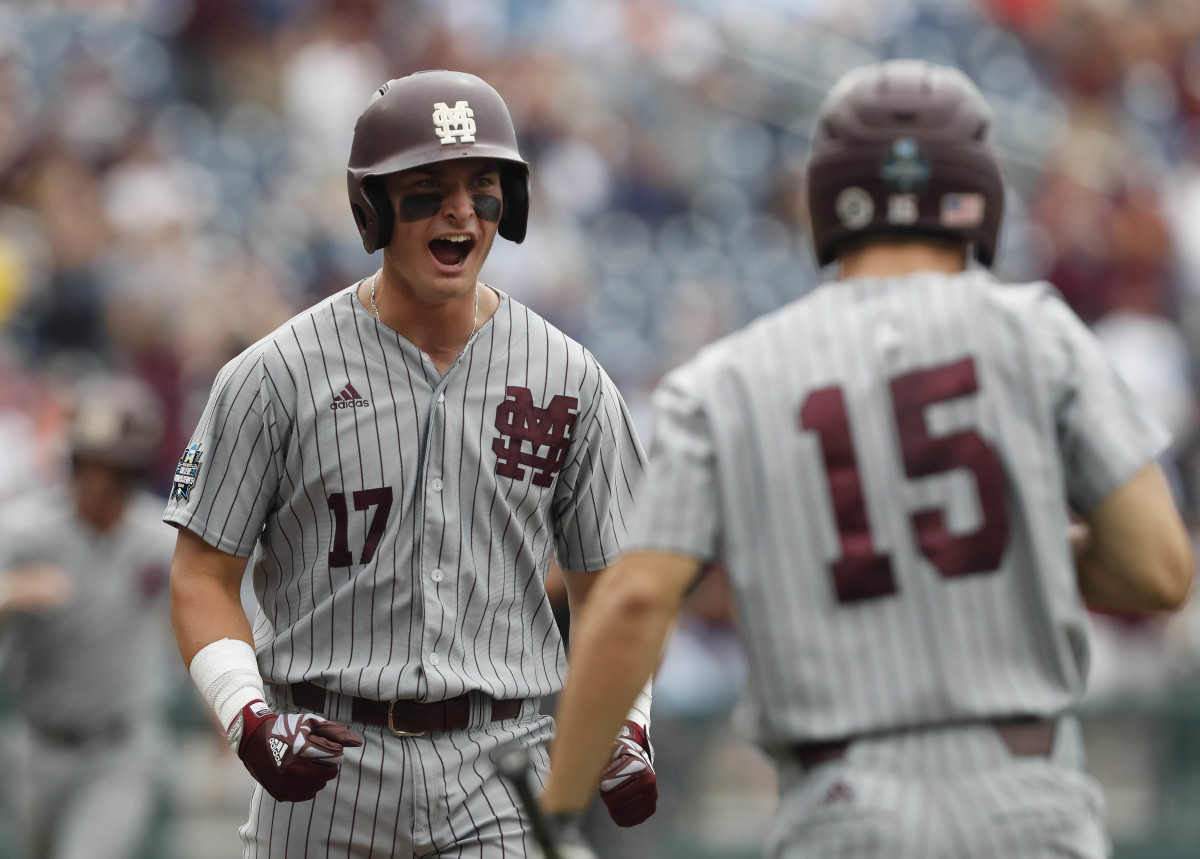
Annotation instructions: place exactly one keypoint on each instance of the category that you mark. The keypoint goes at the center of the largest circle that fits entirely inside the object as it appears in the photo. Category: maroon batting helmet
(904, 147)
(116, 420)
(424, 118)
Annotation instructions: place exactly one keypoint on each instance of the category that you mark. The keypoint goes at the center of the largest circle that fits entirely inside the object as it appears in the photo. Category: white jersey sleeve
(680, 501)
(228, 477)
(1105, 432)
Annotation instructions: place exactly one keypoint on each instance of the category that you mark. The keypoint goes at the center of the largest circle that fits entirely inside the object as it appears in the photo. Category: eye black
(418, 207)
(487, 207)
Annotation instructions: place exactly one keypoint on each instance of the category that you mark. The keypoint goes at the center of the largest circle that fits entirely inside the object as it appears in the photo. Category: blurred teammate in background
(83, 634)
(887, 467)
(399, 463)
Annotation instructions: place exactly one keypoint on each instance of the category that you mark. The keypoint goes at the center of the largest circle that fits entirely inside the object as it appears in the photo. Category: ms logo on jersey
(454, 124)
(186, 473)
(533, 437)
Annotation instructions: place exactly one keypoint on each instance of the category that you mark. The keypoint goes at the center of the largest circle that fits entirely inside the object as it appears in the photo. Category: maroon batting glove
(628, 785)
(291, 755)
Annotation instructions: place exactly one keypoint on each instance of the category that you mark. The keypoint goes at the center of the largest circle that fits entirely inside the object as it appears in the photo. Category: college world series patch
(186, 473)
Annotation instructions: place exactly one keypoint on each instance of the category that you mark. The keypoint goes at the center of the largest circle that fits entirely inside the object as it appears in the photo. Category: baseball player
(396, 466)
(888, 466)
(83, 591)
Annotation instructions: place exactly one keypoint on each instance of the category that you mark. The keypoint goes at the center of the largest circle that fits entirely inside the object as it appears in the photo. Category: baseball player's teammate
(83, 637)
(398, 463)
(887, 468)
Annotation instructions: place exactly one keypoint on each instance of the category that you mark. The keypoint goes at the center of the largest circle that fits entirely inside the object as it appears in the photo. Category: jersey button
(434, 659)
(435, 485)
(441, 398)
(436, 575)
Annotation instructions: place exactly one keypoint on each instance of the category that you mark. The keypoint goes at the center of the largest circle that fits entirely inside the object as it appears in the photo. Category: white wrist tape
(226, 673)
(640, 712)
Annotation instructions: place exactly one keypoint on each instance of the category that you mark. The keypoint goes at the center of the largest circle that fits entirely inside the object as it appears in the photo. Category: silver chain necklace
(375, 309)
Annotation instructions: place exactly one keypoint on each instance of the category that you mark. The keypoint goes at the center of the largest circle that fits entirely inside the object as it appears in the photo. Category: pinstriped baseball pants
(407, 797)
(951, 793)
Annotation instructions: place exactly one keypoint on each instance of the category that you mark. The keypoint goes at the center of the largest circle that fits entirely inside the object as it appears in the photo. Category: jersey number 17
(862, 572)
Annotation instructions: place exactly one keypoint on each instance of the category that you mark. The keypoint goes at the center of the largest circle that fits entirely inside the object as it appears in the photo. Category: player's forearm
(33, 588)
(203, 613)
(206, 601)
(1104, 587)
(614, 651)
(1134, 553)
(615, 648)
(578, 587)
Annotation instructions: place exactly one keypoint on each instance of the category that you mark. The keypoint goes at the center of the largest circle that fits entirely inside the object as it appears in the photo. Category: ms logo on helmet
(454, 122)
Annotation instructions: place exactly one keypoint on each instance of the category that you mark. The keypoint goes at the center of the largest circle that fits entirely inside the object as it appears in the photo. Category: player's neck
(896, 259)
(441, 331)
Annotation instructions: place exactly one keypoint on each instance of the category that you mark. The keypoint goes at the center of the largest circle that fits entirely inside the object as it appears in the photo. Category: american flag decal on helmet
(962, 211)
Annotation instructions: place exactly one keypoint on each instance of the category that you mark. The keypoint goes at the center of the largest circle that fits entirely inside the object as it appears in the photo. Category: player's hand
(567, 831)
(291, 755)
(628, 785)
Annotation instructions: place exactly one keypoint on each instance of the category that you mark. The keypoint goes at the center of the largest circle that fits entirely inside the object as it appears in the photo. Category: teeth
(456, 238)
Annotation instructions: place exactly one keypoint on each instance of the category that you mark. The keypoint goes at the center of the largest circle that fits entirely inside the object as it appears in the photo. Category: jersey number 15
(862, 572)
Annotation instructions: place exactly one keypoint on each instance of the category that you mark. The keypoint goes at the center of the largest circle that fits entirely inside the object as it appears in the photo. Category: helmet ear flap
(377, 197)
(514, 184)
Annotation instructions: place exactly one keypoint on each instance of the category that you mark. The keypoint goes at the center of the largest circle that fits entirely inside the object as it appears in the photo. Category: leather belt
(810, 755)
(1024, 736)
(1027, 736)
(407, 718)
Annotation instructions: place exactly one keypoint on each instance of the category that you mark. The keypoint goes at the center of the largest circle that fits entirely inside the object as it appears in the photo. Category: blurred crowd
(172, 171)
(172, 184)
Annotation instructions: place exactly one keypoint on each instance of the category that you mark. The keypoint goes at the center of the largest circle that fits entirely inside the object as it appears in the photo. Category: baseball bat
(512, 762)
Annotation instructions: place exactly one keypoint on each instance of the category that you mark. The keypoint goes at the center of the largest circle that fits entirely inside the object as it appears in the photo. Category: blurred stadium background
(172, 187)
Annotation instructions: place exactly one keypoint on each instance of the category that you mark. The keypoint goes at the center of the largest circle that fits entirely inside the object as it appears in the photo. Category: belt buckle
(395, 731)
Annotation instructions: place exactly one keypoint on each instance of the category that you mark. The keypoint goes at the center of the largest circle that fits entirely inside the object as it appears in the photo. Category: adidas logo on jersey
(278, 747)
(348, 399)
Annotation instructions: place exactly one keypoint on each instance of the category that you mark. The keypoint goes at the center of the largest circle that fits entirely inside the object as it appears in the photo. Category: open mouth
(451, 251)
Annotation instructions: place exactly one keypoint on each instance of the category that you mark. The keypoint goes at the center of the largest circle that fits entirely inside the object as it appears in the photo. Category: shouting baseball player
(887, 467)
(396, 465)
(83, 592)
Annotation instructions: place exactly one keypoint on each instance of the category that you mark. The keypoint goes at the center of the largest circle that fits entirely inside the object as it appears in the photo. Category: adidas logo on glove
(278, 747)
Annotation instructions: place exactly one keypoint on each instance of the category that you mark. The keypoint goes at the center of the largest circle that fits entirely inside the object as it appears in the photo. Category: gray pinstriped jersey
(886, 466)
(102, 656)
(401, 522)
